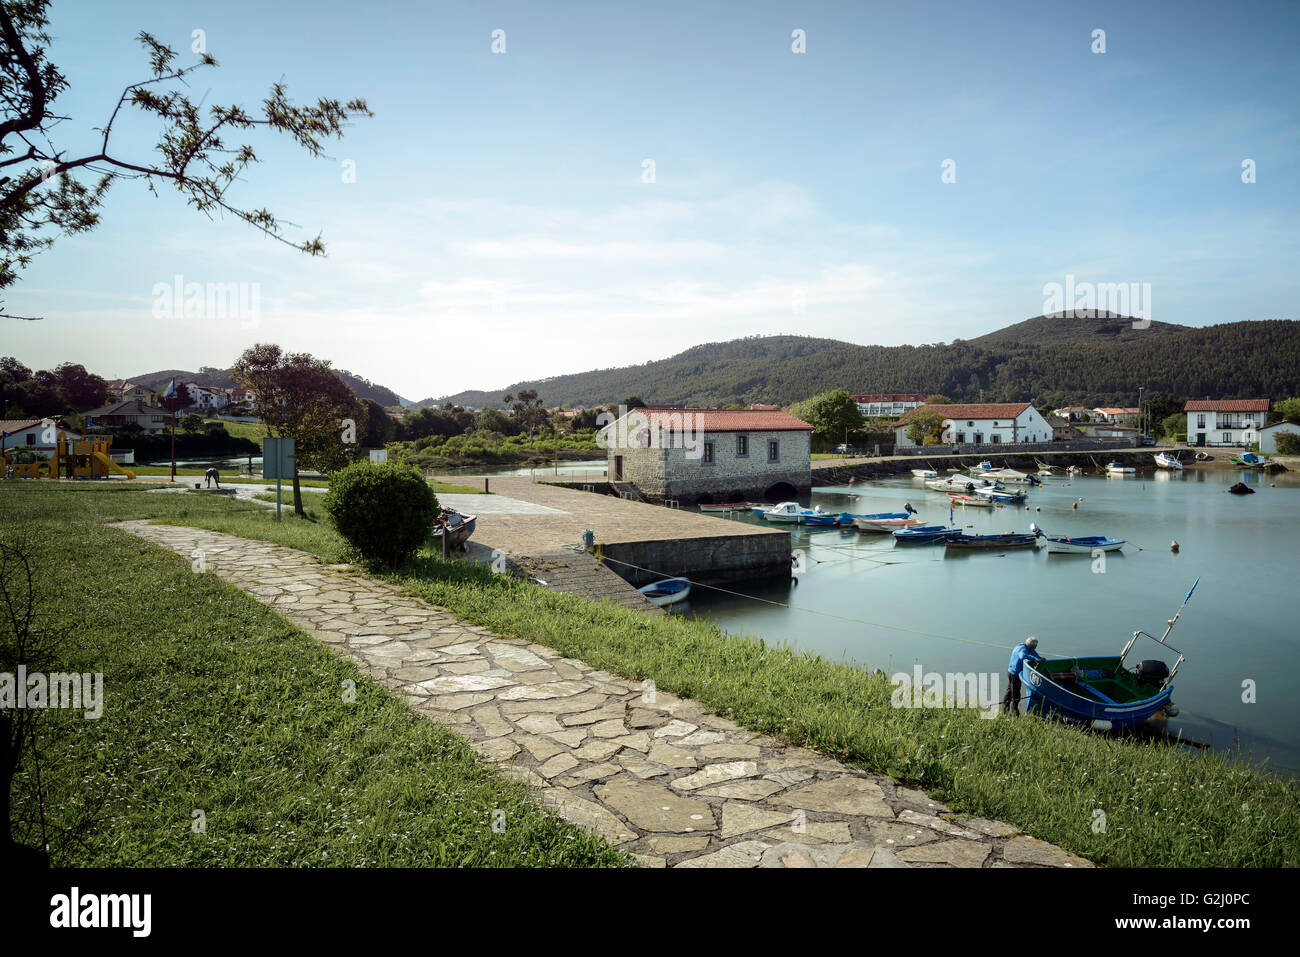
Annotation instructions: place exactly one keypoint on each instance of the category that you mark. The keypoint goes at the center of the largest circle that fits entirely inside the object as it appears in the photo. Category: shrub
(1288, 443)
(384, 511)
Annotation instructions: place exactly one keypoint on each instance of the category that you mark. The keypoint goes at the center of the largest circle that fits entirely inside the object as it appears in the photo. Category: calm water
(1240, 624)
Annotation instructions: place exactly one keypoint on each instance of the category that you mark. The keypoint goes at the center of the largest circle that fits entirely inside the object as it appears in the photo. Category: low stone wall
(1004, 448)
(717, 559)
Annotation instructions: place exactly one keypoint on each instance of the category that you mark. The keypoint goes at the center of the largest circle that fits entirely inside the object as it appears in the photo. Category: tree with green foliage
(380, 427)
(833, 415)
(1286, 410)
(301, 397)
(1172, 425)
(1288, 443)
(926, 427)
(40, 194)
(191, 423)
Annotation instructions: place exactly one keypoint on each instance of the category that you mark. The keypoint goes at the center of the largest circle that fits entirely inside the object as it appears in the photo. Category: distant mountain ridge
(221, 379)
(1049, 359)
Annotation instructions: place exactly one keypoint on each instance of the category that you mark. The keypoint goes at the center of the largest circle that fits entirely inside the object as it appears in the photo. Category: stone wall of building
(684, 474)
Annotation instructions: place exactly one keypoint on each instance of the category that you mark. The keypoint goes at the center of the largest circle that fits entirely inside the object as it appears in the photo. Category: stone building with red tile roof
(693, 455)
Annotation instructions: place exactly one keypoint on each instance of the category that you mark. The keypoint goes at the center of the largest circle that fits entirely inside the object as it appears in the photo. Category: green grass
(1164, 805)
(215, 703)
(253, 431)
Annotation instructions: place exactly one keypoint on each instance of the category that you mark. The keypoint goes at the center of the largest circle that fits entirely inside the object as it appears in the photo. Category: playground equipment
(72, 458)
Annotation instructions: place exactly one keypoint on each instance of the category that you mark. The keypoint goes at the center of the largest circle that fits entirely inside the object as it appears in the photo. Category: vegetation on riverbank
(1164, 806)
(216, 705)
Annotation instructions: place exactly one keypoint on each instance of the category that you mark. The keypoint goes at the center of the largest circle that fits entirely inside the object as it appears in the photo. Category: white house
(1225, 421)
(1269, 433)
(892, 404)
(39, 435)
(205, 398)
(709, 454)
(1115, 416)
(983, 423)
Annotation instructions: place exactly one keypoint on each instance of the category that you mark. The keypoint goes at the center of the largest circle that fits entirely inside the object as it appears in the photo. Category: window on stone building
(742, 445)
(774, 450)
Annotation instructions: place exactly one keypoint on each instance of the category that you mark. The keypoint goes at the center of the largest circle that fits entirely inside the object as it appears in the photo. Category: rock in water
(1241, 488)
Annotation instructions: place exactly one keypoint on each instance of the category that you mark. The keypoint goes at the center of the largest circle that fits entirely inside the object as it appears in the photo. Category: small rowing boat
(1114, 468)
(1078, 544)
(728, 507)
(667, 592)
(455, 526)
(871, 524)
(969, 501)
(1002, 495)
(1004, 540)
(922, 534)
(925, 473)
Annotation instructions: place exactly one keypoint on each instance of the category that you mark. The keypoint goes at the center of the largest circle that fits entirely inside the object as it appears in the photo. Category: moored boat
(1115, 468)
(1101, 691)
(790, 513)
(1002, 495)
(867, 523)
(925, 473)
(1004, 540)
(728, 507)
(666, 592)
(1078, 544)
(922, 534)
(969, 501)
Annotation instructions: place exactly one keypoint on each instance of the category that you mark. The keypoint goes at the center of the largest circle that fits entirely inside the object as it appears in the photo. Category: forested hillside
(1049, 359)
(220, 379)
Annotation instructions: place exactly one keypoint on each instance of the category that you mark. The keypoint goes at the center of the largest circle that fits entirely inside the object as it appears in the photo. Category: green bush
(384, 511)
(1288, 443)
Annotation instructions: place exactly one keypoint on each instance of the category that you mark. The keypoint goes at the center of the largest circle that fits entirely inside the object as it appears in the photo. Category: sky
(620, 182)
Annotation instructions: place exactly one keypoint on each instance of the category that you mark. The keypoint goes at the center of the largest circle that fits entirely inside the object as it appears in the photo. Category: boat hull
(1047, 696)
(1083, 546)
(667, 592)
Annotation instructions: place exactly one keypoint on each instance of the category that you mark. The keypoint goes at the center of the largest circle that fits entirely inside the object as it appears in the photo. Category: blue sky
(499, 227)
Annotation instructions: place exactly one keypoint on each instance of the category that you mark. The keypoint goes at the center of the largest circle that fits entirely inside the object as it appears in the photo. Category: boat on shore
(666, 592)
(1102, 691)
(925, 473)
(1166, 461)
(1003, 540)
(456, 527)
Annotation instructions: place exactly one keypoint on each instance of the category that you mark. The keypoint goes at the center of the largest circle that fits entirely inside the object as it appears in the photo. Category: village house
(984, 423)
(1225, 421)
(119, 414)
(120, 390)
(1075, 413)
(32, 434)
(1062, 430)
(878, 405)
(204, 398)
(716, 455)
(1269, 433)
(1115, 416)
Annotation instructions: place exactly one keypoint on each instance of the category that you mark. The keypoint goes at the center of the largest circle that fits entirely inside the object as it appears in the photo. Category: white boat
(1114, 468)
(985, 466)
(791, 513)
(1079, 544)
(925, 473)
(1166, 461)
(1006, 475)
(958, 483)
(667, 592)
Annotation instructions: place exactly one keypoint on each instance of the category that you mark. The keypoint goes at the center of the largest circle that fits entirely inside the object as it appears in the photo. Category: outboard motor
(1153, 671)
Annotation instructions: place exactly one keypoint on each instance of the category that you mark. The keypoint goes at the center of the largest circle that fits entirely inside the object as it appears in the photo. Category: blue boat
(923, 534)
(999, 494)
(826, 519)
(667, 592)
(1101, 691)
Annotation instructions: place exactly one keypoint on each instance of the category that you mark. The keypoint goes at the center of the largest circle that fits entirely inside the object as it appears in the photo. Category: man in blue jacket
(1011, 701)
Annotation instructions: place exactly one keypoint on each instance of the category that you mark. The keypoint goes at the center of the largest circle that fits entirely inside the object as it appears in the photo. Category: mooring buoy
(1173, 546)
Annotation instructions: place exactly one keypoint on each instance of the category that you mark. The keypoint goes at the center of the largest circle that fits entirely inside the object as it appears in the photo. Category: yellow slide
(113, 466)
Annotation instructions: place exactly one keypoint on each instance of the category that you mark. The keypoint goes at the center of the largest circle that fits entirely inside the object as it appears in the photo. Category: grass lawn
(214, 703)
(1164, 806)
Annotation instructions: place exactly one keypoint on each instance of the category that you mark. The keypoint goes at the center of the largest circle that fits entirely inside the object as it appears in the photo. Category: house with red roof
(876, 405)
(710, 455)
(981, 423)
(1225, 421)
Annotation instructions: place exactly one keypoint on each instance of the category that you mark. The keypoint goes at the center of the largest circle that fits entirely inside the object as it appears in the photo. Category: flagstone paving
(659, 776)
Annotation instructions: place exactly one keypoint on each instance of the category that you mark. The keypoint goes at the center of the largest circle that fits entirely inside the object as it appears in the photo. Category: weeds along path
(657, 775)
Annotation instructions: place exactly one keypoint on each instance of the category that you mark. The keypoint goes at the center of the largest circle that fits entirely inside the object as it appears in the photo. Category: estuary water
(964, 611)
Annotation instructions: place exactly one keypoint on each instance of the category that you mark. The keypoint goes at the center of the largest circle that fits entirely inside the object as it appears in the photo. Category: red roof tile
(1226, 405)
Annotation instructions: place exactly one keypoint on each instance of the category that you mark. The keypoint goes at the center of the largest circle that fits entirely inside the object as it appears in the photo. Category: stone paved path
(657, 775)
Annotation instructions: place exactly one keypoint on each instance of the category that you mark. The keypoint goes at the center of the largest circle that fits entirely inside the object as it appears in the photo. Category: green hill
(1052, 360)
(220, 379)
